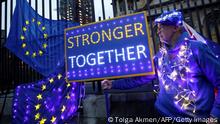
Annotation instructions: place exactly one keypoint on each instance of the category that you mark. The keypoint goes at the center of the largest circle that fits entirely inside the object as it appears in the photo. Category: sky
(97, 3)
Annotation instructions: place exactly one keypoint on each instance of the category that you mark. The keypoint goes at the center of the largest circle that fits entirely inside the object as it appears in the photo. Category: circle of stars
(43, 44)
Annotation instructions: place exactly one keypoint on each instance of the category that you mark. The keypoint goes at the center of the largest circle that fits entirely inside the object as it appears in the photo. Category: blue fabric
(187, 74)
(37, 41)
(50, 100)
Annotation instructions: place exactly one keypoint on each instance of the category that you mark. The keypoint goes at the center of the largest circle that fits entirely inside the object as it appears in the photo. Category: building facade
(81, 11)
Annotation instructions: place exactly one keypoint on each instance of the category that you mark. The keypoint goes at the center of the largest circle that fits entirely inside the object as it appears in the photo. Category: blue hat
(170, 18)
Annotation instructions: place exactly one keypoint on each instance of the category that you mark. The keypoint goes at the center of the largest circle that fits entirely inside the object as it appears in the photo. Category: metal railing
(203, 15)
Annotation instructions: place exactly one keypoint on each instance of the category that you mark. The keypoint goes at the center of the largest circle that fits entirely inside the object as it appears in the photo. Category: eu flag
(49, 101)
(38, 41)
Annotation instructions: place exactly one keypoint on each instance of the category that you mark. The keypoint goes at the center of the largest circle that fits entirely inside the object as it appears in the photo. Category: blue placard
(114, 48)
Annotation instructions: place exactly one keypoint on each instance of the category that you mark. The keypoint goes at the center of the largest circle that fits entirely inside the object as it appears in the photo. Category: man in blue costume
(188, 71)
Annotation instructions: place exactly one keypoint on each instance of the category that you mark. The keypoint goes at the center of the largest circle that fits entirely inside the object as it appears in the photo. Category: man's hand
(106, 84)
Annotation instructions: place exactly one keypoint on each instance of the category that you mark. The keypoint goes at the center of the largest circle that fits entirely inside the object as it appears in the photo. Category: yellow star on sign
(39, 96)
(27, 53)
(24, 29)
(22, 37)
(45, 36)
(42, 121)
(59, 76)
(37, 116)
(40, 52)
(63, 108)
(43, 28)
(27, 22)
(53, 119)
(34, 54)
(43, 87)
(38, 23)
(45, 45)
(23, 45)
(37, 106)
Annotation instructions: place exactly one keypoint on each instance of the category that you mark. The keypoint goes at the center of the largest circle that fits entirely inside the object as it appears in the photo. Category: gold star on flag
(51, 80)
(27, 22)
(42, 121)
(33, 20)
(68, 96)
(63, 108)
(68, 85)
(23, 45)
(45, 45)
(38, 23)
(22, 37)
(27, 53)
(45, 36)
(40, 52)
(34, 54)
(53, 119)
(37, 116)
(39, 96)
(43, 87)
(43, 28)
(37, 106)
(24, 29)
(59, 76)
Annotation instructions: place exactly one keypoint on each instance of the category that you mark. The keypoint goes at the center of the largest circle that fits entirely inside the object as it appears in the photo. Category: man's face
(165, 32)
